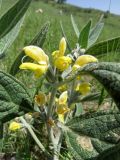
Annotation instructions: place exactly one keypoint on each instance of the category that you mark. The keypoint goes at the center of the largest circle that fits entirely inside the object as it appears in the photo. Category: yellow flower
(39, 56)
(62, 49)
(61, 117)
(84, 59)
(62, 63)
(83, 88)
(40, 99)
(62, 109)
(55, 54)
(38, 69)
(36, 54)
(63, 98)
(14, 126)
(62, 106)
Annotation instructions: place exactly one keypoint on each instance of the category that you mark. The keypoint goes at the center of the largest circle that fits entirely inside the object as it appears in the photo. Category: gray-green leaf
(84, 35)
(95, 32)
(108, 46)
(14, 98)
(90, 97)
(108, 74)
(93, 136)
(77, 32)
(12, 16)
(9, 38)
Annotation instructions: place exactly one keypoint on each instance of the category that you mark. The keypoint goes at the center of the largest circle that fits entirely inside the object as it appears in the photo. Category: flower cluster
(61, 62)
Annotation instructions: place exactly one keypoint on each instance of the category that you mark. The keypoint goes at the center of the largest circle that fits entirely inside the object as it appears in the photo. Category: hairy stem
(50, 106)
(32, 134)
(54, 139)
(73, 75)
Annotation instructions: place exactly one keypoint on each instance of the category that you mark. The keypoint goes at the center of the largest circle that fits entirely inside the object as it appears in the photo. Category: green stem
(32, 134)
(70, 78)
(39, 85)
(50, 106)
(54, 140)
(49, 115)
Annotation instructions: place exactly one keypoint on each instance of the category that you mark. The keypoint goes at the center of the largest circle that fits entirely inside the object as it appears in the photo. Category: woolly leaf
(93, 136)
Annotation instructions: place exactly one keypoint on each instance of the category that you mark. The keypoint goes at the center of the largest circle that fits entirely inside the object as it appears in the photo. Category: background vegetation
(41, 12)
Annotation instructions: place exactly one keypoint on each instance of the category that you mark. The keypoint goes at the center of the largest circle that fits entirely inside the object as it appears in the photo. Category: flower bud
(62, 47)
